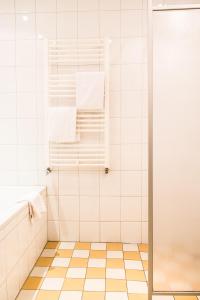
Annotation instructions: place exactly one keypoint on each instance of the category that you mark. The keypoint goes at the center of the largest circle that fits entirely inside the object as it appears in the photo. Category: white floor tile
(96, 263)
(144, 255)
(67, 245)
(130, 247)
(76, 273)
(48, 253)
(98, 246)
(52, 284)
(60, 262)
(95, 285)
(114, 254)
(133, 265)
(137, 287)
(27, 295)
(81, 253)
(116, 296)
(70, 295)
(39, 271)
(115, 273)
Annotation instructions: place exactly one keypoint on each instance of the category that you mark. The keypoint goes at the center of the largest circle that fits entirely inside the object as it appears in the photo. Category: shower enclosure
(174, 148)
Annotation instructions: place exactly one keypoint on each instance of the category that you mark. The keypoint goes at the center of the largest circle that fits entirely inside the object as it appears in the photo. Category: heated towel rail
(64, 59)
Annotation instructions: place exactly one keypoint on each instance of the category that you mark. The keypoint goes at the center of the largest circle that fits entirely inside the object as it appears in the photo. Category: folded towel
(36, 205)
(90, 90)
(62, 124)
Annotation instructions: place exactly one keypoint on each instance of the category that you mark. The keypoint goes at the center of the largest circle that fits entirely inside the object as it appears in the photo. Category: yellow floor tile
(78, 262)
(137, 275)
(48, 295)
(82, 246)
(52, 245)
(114, 246)
(145, 265)
(132, 255)
(116, 285)
(115, 263)
(137, 297)
(32, 283)
(72, 284)
(44, 261)
(143, 247)
(64, 253)
(56, 272)
(98, 273)
(97, 254)
(93, 296)
(185, 298)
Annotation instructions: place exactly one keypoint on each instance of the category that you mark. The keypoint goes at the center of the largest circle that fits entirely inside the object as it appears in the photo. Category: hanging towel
(62, 124)
(90, 90)
(36, 205)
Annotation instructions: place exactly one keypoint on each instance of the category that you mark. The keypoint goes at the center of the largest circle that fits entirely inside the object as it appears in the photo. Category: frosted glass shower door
(176, 150)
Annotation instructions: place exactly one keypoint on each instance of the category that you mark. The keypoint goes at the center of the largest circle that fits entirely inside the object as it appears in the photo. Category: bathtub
(21, 241)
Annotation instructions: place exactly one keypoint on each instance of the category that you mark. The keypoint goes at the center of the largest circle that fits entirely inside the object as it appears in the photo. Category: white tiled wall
(83, 205)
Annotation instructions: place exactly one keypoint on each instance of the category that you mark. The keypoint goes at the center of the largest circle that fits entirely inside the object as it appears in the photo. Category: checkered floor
(89, 271)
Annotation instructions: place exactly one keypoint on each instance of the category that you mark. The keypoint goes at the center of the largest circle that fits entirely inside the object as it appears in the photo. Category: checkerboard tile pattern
(84, 271)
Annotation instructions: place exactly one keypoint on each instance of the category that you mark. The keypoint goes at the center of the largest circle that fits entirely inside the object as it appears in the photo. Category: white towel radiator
(64, 59)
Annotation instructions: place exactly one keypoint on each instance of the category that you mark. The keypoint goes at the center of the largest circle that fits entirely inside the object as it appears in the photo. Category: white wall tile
(132, 4)
(132, 77)
(26, 81)
(110, 232)
(52, 183)
(7, 6)
(130, 183)
(131, 130)
(25, 26)
(68, 208)
(131, 157)
(8, 80)
(115, 78)
(25, 53)
(66, 25)
(115, 109)
(8, 157)
(110, 5)
(45, 6)
(115, 131)
(46, 25)
(7, 57)
(144, 208)
(25, 6)
(131, 104)
(89, 231)
(8, 106)
(131, 232)
(8, 131)
(7, 25)
(89, 208)
(110, 184)
(53, 231)
(52, 204)
(110, 24)
(68, 183)
(88, 4)
(69, 231)
(26, 105)
(144, 232)
(27, 131)
(110, 208)
(66, 5)
(134, 50)
(89, 182)
(115, 159)
(88, 24)
(131, 209)
(27, 157)
(131, 25)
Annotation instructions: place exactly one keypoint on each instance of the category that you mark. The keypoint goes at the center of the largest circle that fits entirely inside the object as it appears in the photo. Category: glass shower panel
(176, 150)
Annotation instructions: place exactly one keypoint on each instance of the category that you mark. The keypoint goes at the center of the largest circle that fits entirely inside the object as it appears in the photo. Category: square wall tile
(52, 204)
(26, 105)
(110, 24)
(8, 80)
(68, 208)
(68, 183)
(131, 23)
(131, 157)
(132, 77)
(45, 6)
(110, 184)
(53, 231)
(23, 6)
(131, 209)
(46, 25)
(26, 80)
(25, 53)
(66, 5)
(110, 209)
(69, 231)
(110, 232)
(88, 4)
(89, 208)
(134, 50)
(130, 183)
(11, 133)
(131, 232)
(89, 231)
(131, 130)
(110, 5)
(7, 6)
(132, 104)
(25, 26)
(89, 183)
(132, 4)
(7, 25)
(88, 24)
(7, 57)
(66, 25)
(27, 131)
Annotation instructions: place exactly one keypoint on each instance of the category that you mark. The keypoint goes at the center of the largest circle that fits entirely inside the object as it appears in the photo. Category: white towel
(36, 204)
(62, 124)
(90, 90)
